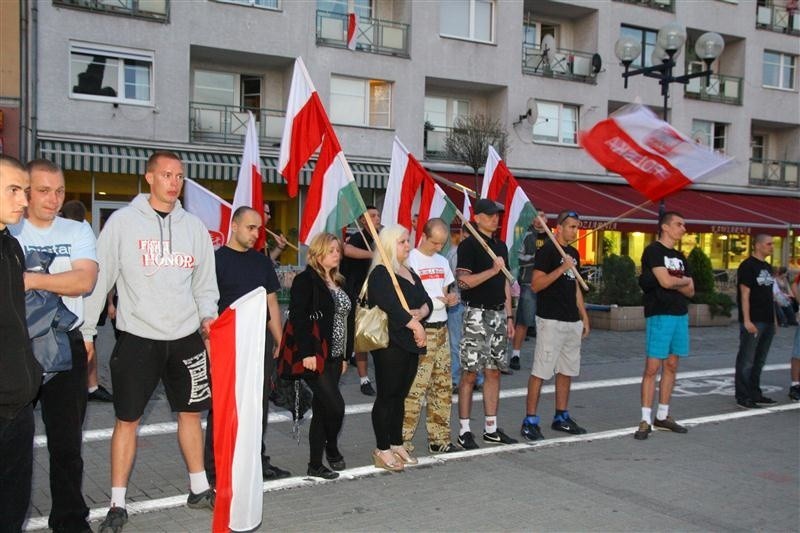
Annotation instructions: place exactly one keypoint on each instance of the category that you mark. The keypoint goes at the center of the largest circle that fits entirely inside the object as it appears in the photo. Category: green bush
(620, 285)
(705, 291)
(718, 303)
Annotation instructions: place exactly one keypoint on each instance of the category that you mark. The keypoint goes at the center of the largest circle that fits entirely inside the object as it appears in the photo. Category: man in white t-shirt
(433, 377)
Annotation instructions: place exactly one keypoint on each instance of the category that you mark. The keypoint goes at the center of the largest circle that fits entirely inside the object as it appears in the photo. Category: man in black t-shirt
(561, 323)
(487, 323)
(667, 284)
(756, 322)
(240, 269)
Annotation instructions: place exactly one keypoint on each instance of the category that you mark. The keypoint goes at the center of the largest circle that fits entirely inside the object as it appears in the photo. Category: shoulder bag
(372, 325)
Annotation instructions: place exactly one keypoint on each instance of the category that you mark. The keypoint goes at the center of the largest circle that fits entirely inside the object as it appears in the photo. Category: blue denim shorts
(667, 335)
(526, 307)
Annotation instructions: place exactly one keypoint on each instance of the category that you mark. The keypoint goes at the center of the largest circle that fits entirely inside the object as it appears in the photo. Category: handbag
(372, 325)
(290, 360)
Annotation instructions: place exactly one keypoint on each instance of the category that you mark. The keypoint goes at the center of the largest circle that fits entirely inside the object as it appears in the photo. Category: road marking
(166, 428)
(365, 471)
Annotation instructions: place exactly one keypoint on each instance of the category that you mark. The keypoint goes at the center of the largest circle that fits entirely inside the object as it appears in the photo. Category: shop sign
(742, 230)
(592, 224)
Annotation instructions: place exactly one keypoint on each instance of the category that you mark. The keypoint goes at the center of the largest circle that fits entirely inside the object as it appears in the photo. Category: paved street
(734, 470)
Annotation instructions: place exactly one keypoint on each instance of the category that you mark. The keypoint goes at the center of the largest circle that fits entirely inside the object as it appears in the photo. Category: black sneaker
(669, 424)
(336, 463)
(643, 432)
(442, 448)
(271, 472)
(322, 471)
(794, 393)
(478, 387)
(100, 395)
(747, 404)
(765, 401)
(467, 441)
(114, 520)
(204, 500)
(366, 389)
(507, 371)
(514, 363)
(531, 432)
(567, 425)
(498, 437)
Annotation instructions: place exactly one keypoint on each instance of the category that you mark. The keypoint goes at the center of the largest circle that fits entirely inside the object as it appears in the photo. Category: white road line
(364, 471)
(166, 428)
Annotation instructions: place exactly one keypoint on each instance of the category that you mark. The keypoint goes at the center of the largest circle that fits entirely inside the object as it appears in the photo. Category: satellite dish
(533, 111)
(700, 137)
(597, 63)
(548, 44)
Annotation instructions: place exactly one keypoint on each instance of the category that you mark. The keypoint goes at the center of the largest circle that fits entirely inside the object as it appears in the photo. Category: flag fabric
(249, 190)
(499, 185)
(210, 208)
(237, 342)
(352, 30)
(654, 157)
(333, 200)
(466, 209)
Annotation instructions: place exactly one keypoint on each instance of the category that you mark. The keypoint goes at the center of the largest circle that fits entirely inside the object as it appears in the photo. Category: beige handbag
(372, 326)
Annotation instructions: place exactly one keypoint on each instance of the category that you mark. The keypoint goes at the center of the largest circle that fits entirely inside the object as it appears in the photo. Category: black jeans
(63, 400)
(328, 408)
(395, 369)
(16, 469)
(750, 360)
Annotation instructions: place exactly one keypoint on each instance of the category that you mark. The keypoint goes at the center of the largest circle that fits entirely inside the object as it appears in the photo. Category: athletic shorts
(137, 364)
(667, 335)
(526, 307)
(558, 348)
(484, 340)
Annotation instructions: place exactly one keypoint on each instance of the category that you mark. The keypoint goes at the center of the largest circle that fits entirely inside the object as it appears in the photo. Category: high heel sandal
(391, 466)
(402, 454)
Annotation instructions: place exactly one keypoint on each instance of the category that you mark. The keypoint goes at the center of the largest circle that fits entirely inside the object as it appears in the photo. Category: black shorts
(137, 364)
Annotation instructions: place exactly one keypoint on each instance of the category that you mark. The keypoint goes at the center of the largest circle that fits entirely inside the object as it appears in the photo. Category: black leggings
(328, 408)
(395, 369)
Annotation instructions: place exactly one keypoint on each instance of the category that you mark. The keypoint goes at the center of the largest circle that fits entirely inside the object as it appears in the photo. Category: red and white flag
(249, 190)
(654, 157)
(352, 30)
(210, 208)
(237, 342)
(333, 200)
(466, 209)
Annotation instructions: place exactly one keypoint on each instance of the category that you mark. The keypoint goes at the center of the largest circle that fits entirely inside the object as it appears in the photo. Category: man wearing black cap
(487, 323)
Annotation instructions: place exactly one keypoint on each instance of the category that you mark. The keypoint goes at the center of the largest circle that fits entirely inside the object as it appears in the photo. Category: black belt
(495, 307)
(435, 325)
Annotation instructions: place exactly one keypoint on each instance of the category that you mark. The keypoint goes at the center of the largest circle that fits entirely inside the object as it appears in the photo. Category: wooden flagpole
(578, 276)
(615, 219)
(275, 236)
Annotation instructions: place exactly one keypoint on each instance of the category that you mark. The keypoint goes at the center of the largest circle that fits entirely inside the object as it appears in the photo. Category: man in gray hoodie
(162, 261)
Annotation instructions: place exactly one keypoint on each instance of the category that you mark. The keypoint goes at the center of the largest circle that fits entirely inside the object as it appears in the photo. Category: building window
(758, 147)
(362, 8)
(779, 70)
(442, 112)
(150, 9)
(467, 19)
(647, 40)
(111, 74)
(556, 123)
(711, 134)
(359, 102)
(268, 4)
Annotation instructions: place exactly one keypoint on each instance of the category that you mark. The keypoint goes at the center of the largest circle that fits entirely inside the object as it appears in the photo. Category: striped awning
(116, 159)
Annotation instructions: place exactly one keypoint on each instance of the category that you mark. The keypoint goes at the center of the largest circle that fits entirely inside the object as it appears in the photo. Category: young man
(487, 323)
(667, 285)
(561, 323)
(526, 308)
(433, 372)
(72, 274)
(240, 269)
(162, 261)
(20, 374)
(756, 322)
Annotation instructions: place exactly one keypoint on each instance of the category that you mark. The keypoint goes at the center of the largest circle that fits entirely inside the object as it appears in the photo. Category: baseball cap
(487, 207)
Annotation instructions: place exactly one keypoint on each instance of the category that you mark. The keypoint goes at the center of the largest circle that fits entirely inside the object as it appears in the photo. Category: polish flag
(333, 199)
(352, 30)
(654, 157)
(210, 208)
(249, 190)
(499, 185)
(237, 343)
(466, 209)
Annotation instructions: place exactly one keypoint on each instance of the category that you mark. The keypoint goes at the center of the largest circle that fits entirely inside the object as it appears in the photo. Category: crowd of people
(451, 330)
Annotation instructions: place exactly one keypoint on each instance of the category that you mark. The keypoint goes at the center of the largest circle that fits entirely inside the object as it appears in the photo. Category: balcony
(147, 9)
(774, 173)
(721, 88)
(663, 5)
(383, 37)
(559, 63)
(222, 124)
(778, 19)
(434, 141)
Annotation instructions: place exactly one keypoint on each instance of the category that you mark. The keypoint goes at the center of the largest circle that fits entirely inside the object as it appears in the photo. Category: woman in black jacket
(318, 294)
(396, 365)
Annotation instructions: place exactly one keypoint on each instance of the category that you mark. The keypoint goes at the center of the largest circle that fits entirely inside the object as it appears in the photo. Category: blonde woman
(334, 312)
(396, 365)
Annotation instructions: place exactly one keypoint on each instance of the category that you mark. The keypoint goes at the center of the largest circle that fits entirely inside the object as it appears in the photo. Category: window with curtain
(557, 123)
(467, 19)
(361, 102)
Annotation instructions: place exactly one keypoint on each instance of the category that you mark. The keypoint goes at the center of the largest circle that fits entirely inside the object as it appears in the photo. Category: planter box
(617, 318)
(699, 315)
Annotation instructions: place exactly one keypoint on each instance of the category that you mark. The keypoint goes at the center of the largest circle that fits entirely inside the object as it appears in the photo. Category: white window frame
(783, 58)
(252, 3)
(644, 58)
(714, 133)
(471, 36)
(451, 109)
(561, 107)
(366, 98)
(118, 53)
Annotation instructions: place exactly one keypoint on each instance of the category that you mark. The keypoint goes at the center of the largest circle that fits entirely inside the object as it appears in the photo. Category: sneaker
(114, 520)
(478, 387)
(531, 432)
(794, 393)
(100, 395)
(506, 371)
(271, 472)
(204, 500)
(747, 404)
(498, 437)
(322, 471)
(514, 363)
(669, 424)
(467, 441)
(766, 401)
(442, 448)
(366, 389)
(336, 463)
(643, 431)
(567, 425)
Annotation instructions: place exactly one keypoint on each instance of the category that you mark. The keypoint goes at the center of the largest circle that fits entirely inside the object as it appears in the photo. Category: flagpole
(275, 236)
(613, 220)
(452, 184)
(543, 222)
(478, 238)
(358, 227)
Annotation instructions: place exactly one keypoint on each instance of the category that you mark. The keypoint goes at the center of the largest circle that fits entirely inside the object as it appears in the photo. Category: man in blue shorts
(667, 285)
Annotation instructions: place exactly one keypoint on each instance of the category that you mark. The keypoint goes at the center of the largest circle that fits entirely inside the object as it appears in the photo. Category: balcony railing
(775, 173)
(149, 9)
(225, 124)
(778, 18)
(434, 141)
(558, 63)
(665, 5)
(376, 36)
(720, 88)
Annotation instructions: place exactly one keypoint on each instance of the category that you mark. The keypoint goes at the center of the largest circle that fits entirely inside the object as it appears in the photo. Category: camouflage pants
(484, 340)
(433, 380)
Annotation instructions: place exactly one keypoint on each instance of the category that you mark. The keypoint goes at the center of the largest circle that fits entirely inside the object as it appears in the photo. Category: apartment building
(116, 79)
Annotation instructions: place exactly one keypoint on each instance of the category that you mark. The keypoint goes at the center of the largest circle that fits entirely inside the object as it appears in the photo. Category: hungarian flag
(654, 157)
(499, 185)
(210, 208)
(237, 342)
(352, 30)
(410, 190)
(249, 191)
(333, 200)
